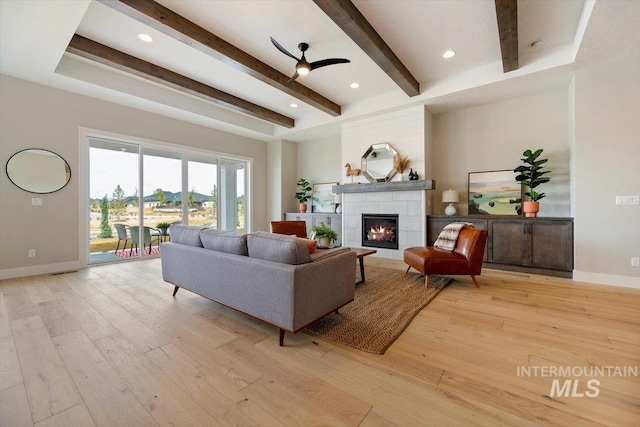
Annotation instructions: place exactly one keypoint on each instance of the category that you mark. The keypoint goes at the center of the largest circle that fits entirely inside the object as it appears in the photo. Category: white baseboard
(10, 273)
(607, 279)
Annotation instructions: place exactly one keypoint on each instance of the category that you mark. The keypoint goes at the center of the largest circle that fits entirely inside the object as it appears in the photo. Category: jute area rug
(383, 307)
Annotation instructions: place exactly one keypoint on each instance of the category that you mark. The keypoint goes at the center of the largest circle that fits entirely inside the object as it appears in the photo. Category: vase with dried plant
(400, 163)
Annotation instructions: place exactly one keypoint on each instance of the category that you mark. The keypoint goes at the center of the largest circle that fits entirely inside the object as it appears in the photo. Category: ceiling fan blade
(282, 49)
(329, 61)
(295, 76)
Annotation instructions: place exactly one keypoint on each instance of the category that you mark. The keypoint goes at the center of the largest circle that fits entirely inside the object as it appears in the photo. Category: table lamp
(338, 202)
(451, 197)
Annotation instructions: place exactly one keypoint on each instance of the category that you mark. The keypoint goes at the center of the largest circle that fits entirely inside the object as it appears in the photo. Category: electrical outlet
(32, 253)
(635, 261)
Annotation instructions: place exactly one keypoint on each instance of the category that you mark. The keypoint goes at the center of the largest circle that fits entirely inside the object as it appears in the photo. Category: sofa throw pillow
(313, 244)
(278, 248)
(224, 241)
(186, 234)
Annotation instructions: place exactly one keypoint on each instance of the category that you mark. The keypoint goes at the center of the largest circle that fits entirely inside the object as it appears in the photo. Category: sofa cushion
(327, 253)
(186, 234)
(224, 241)
(278, 248)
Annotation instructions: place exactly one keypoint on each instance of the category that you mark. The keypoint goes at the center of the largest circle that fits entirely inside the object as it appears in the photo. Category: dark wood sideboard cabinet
(531, 245)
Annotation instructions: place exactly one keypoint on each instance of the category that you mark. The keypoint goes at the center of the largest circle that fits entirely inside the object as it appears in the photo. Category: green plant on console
(531, 173)
(322, 231)
(304, 188)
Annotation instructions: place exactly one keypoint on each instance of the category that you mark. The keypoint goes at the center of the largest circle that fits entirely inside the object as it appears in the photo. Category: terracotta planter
(303, 208)
(531, 209)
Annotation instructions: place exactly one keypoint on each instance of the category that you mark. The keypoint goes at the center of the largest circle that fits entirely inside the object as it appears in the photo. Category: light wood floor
(109, 346)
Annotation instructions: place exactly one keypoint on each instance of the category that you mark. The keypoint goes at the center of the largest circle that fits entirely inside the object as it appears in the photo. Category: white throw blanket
(449, 235)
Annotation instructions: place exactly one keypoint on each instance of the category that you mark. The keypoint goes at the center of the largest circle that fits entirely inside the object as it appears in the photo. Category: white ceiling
(35, 34)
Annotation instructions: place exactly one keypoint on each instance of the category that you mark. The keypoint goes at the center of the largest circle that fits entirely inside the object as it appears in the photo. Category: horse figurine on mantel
(352, 172)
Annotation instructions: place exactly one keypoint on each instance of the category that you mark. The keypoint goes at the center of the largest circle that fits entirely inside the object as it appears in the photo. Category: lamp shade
(450, 196)
(338, 198)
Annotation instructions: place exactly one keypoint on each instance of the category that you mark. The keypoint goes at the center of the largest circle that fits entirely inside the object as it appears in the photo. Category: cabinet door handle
(329, 221)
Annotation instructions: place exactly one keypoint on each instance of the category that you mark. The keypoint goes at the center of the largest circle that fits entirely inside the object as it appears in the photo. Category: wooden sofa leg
(426, 280)
(475, 280)
(175, 290)
(408, 268)
(281, 337)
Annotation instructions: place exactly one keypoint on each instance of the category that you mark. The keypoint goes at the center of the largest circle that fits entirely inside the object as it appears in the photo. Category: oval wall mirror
(38, 171)
(377, 163)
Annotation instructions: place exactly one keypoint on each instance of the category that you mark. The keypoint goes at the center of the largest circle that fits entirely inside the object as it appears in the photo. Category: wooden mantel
(423, 184)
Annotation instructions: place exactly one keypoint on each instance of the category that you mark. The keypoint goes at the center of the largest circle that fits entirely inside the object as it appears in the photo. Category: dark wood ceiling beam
(347, 16)
(170, 23)
(507, 14)
(102, 54)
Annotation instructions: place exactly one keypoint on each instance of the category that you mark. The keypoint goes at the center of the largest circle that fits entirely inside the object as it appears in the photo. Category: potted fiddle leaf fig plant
(303, 194)
(324, 235)
(531, 176)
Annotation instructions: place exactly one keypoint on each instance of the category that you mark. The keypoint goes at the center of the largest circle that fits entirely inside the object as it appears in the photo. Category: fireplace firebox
(380, 231)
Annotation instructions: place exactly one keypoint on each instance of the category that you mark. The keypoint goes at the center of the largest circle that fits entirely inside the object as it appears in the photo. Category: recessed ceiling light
(294, 105)
(354, 85)
(145, 37)
(449, 54)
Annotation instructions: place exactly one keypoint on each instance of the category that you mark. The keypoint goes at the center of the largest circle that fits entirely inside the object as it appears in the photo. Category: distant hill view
(170, 196)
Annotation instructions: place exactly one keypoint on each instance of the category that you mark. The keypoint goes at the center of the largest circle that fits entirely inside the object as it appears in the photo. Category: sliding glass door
(203, 191)
(113, 199)
(177, 186)
(162, 184)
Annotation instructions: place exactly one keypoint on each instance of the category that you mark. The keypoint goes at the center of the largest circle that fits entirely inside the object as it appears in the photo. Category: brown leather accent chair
(297, 228)
(466, 257)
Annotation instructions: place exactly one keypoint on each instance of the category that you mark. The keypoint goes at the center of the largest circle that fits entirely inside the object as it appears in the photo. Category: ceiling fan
(303, 67)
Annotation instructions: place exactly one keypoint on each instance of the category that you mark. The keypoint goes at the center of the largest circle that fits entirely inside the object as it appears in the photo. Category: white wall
(493, 136)
(607, 164)
(319, 161)
(33, 115)
(281, 177)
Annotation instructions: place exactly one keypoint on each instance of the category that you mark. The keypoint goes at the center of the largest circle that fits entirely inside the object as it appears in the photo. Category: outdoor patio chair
(122, 235)
(148, 238)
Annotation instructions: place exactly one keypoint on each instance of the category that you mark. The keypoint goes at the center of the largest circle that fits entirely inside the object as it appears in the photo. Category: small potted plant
(324, 235)
(303, 194)
(531, 176)
(163, 227)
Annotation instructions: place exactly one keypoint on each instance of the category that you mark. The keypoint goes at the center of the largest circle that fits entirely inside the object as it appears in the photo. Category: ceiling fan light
(303, 69)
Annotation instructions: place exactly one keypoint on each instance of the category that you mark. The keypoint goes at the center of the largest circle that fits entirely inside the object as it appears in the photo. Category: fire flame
(380, 233)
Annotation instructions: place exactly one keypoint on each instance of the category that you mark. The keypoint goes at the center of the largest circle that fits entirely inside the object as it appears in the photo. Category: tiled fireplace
(405, 201)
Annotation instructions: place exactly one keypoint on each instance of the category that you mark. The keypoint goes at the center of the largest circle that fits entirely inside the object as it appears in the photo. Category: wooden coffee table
(360, 254)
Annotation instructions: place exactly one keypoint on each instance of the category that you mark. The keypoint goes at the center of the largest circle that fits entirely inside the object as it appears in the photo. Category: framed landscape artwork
(495, 193)
(323, 199)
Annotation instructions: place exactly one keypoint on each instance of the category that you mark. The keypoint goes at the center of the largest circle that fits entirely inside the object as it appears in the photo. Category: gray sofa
(269, 276)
